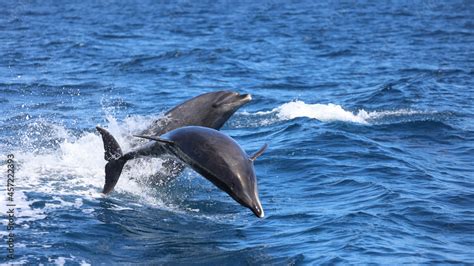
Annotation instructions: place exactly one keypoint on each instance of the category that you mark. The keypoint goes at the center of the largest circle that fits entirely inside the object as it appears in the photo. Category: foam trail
(333, 112)
(322, 112)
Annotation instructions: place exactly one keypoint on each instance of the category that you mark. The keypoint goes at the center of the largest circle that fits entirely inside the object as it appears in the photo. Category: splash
(72, 170)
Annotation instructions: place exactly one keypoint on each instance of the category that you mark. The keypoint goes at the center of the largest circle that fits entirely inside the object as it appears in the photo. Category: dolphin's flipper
(259, 152)
(155, 139)
(113, 154)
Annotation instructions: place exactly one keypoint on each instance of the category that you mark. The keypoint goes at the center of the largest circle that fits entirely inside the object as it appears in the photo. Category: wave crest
(333, 113)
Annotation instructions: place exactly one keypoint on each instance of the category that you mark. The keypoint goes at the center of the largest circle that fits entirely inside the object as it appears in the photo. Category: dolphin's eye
(215, 105)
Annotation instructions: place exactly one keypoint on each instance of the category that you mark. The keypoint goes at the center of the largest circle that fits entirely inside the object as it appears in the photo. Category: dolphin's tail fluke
(113, 169)
(113, 154)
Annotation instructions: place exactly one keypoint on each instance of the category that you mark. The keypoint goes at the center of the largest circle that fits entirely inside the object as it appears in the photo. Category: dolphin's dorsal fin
(259, 152)
(155, 139)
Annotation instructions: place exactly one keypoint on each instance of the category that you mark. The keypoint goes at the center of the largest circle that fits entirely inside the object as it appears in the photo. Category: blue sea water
(368, 109)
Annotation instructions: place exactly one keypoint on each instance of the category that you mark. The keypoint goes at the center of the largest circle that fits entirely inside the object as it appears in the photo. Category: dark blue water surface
(368, 109)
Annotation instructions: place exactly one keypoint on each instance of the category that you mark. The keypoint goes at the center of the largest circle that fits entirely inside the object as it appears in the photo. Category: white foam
(331, 112)
(322, 112)
(74, 167)
(60, 261)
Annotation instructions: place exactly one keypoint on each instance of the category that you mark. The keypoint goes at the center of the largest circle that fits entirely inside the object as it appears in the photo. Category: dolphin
(211, 110)
(214, 155)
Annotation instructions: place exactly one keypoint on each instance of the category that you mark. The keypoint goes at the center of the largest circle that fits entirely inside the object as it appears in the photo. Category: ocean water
(368, 109)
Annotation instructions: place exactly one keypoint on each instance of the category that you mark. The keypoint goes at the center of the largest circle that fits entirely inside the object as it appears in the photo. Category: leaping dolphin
(209, 152)
(208, 110)
(211, 109)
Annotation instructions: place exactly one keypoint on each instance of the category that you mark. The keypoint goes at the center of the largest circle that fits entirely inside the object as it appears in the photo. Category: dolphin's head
(211, 109)
(236, 176)
(228, 101)
(225, 104)
(243, 189)
(233, 171)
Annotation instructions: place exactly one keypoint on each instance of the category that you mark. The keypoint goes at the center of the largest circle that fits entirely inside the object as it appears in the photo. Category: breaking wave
(335, 113)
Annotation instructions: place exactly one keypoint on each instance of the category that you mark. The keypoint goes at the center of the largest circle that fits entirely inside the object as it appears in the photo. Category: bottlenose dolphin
(211, 110)
(209, 152)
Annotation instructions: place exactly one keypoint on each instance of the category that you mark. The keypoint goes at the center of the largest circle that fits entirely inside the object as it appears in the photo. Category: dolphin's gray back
(212, 152)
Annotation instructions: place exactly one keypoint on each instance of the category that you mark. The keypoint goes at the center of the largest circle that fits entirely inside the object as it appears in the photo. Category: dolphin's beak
(257, 209)
(245, 98)
(235, 100)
